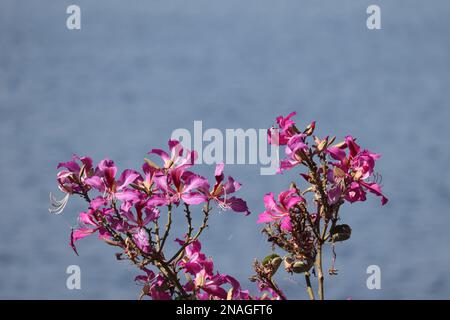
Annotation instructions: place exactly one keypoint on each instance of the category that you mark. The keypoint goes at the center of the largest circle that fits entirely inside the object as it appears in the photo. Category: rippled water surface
(139, 69)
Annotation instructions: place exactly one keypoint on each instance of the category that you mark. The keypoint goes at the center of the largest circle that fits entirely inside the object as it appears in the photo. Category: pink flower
(89, 224)
(358, 166)
(176, 158)
(282, 134)
(221, 191)
(147, 278)
(145, 213)
(180, 185)
(194, 260)
(69, 180)
(295, 146)
(157, 287)
(280, 212)
(104, 178)
(207, 284)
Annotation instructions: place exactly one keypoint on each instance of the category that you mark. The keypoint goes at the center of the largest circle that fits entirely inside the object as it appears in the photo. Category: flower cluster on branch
(134, 210)
(334, 173)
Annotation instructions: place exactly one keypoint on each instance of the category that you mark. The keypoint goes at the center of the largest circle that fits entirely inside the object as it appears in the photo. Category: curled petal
(238, 205)
(375, 189)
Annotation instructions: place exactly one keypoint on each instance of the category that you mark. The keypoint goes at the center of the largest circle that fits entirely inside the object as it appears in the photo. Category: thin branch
(309, 287)
(206, 211)
(167, 228)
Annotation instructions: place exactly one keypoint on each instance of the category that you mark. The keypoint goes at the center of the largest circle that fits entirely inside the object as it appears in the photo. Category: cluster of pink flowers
(349, 169)
(334, 173)
(142, 195)
(202, 283)
(126, 211)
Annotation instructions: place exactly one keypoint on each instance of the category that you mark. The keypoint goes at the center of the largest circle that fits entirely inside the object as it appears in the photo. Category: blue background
(139, 69)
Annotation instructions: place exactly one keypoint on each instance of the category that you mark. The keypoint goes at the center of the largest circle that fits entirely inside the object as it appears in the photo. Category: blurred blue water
(139, 69)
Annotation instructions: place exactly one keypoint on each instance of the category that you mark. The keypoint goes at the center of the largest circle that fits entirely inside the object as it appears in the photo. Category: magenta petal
(352, 146)
(160, 153)
(127, 177)
(231, 186)
(142, 240)
(196, 182)
(286, 223)
(334, 195)
(161, 182)
(72, 166)
(293, 201)
(269, 202)
(336, 153)
(72, 243)
(219, 172)
(157, 200)
(109, 170)
(82, 233)
(97, 203)
(85, 218)
(265, 217)
(193, 198)
(375, 189)
(127, 195)
(175, 148)
(216, 291)
(96, 183)
(238, 205)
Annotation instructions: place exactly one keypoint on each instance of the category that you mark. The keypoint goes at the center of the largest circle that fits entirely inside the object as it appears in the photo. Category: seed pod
(341, 232)
(276, 262)
(272, 262)
(300, 266)
(297, 266)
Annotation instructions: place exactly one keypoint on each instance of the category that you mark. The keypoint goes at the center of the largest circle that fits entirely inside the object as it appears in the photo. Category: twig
(309, 287)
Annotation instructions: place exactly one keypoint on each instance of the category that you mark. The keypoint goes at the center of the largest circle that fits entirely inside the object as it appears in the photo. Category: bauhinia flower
(104, 179)
(356, 168)
(178, 158)
(76, 173)
(281, 134)
(294, 152)
(180, 185)
(221, 191)
(280, 211)
(206, 284)
(90, 222)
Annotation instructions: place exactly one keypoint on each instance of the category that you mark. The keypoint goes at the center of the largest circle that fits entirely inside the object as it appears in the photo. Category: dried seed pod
(341, 232)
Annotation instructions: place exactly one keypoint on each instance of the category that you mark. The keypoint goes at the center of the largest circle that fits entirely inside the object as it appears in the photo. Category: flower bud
(310, 128)
(321, 145)
(340, 145)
